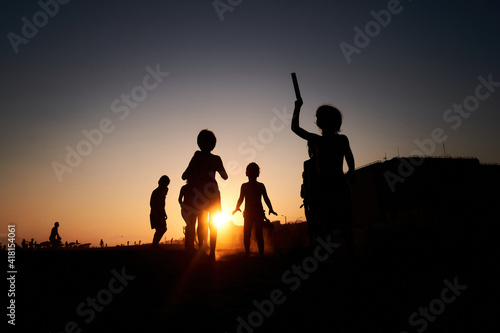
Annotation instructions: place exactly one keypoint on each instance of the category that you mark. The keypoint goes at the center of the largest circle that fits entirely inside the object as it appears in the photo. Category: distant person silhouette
(189, 213)
(158, 216)
(253, 192)
(309, 192)
(54, 238)
(202, 170)
(101, 243)
(24, 244)
(331, 147)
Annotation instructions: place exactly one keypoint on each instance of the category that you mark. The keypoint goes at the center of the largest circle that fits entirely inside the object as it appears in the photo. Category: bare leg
(247, 233)
(260, 236)
(160, 231)
(190, 232)
(213, 235)
(202, 228)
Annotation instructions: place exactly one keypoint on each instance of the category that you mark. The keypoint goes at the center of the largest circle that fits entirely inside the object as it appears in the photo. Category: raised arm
(295, 121)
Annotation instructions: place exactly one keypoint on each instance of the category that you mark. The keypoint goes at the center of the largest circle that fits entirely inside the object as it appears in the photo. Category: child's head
(253, 170)
(328, 118)
(164, 181)
(206, 140)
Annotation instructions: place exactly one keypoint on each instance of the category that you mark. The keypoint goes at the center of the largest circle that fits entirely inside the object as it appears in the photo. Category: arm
(189, 170)
(267, 201)
(240, 201)
(349, 157)
(221, 170)
(295, 121)
(181, 195)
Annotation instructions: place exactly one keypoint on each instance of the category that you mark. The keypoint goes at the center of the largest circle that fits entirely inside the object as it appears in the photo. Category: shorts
(157, 222)
(211, 203)
(215, 205)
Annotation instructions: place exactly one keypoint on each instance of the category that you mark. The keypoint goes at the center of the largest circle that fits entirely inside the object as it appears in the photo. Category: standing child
(202, 170)
(309, 192)
(189, 213)
(158, 216)
(252, 192)
(335, 201)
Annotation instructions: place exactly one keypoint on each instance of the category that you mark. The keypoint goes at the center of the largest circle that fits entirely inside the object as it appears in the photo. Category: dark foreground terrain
(432, 280)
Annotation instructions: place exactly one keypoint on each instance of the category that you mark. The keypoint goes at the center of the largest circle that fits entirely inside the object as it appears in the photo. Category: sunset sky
(228, 71)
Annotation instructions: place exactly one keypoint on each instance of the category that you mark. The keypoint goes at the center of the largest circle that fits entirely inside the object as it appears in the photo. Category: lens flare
(221, 219)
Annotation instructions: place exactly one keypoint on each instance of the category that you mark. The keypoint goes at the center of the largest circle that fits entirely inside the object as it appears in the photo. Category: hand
(272, 212)
(236, 210)
(299, 103)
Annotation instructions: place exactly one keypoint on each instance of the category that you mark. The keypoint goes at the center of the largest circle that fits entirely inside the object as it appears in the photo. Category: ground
(391, 276)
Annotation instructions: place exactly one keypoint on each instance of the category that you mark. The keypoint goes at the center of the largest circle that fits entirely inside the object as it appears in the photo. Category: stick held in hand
(296, 86)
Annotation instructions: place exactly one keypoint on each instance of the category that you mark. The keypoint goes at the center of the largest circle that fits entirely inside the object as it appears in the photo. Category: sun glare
(221, 218)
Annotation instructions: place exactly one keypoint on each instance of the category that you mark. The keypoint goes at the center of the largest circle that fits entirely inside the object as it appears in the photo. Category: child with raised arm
(158, 216)
(252, 192)
(202, 170)
(331, 148)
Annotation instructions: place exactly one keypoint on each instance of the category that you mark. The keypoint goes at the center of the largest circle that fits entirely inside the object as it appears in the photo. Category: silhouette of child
(332, 148)
(158, 216)
(54, 237)
(252, 192)
(189, 213)
(202, 170)
(309, 194)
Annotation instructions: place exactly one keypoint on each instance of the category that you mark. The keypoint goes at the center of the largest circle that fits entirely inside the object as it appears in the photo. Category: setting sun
(221, 218)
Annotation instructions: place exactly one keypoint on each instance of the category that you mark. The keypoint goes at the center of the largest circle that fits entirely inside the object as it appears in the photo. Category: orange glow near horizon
(221, 219)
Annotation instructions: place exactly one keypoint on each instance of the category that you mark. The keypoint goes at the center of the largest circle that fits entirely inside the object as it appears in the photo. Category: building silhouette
(425, 192)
